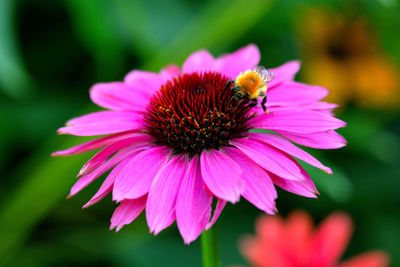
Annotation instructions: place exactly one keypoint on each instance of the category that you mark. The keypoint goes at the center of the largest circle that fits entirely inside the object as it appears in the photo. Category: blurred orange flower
(343, 55)
(294, 243)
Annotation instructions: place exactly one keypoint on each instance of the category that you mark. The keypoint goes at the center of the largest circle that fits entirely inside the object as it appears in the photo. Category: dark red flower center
(195, 112)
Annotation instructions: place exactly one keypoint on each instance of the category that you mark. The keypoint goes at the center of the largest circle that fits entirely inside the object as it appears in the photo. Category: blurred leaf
(219, 24)
(365, 134)
(385, 146)
(95, 24)
(128, 250)
(38, 193)
(87, 244)
(14, 79)
(384, 16)
(136, 24)
(337, 185)
(26, 123)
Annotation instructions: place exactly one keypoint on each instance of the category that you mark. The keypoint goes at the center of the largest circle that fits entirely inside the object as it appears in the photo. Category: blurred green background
(51, 52)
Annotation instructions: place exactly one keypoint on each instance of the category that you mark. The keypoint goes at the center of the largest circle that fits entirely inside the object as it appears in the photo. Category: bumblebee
(251, 85)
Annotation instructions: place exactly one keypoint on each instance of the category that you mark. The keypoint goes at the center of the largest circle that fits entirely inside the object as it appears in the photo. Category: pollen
(250, 81)
(193, 113)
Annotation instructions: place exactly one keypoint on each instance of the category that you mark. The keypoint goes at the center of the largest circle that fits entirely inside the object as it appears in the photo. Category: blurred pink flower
(174, 141)
(294, 243)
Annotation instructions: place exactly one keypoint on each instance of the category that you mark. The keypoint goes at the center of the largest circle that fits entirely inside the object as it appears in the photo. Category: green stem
(210, 247)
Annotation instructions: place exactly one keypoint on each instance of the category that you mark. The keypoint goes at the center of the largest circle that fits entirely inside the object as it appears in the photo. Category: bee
(251, 85)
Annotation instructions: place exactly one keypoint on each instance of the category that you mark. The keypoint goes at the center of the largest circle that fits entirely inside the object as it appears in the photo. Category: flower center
(339, 51)
(196, 112)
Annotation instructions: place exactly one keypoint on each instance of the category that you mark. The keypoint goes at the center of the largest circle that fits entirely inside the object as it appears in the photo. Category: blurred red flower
(295, 243)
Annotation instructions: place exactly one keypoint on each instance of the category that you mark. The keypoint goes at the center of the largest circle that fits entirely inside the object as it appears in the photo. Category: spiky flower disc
(195, 112)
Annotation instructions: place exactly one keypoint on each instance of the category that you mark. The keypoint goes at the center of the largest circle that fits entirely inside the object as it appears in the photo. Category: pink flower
(294, 243)
(174, 141)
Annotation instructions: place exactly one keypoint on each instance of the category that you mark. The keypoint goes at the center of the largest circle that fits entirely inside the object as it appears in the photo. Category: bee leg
(263, 104)
(228, 83)
(254, 103)
(235, 89)
(233, 97)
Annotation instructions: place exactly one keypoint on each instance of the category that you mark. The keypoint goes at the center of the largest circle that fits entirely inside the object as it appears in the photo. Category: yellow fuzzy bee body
(252, 84)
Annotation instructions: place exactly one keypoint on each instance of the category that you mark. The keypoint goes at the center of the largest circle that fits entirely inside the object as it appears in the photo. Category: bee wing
(269, 76)
(259, 69)
(266, 74)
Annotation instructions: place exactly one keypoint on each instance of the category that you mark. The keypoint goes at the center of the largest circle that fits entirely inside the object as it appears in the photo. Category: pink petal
(135, 179)
(104, 154)
(127, 211)
(193, 205)
(259, 189)
(103, 115)
(217, 212)
(170, 72)
(331, 239)
(300, 188)
(243, 59)
(143, 81)
(270, 159)
(284, 73)
(323, 107)
(103, 122)
(118, 96)
(107, 185)
(287, 147)
(320, 106)
(91, 145)
(160, 209)
(369, 259)
(323, 140)
(300, 121)
(200, 61)
(295, 93)
(221, 175)
(89, 178)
